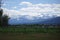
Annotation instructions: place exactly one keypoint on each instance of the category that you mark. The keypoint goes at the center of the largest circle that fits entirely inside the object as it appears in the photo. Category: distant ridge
(53, 21)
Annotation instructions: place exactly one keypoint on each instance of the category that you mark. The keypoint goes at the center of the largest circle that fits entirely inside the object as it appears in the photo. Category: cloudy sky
(31, 8)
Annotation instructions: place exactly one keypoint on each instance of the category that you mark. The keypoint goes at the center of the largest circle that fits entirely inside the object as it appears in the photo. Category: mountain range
(34, 20)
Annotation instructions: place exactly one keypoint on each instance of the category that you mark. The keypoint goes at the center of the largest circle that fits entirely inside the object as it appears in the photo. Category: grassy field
(29, 33)
(29, 30)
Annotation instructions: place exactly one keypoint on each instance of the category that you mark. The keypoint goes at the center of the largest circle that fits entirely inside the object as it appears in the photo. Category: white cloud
(10, 13)
(25, 3)
(14, 7)
(43, 8)
(35, 10)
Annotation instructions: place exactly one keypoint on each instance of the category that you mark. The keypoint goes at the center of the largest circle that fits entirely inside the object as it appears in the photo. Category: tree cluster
(3, 19)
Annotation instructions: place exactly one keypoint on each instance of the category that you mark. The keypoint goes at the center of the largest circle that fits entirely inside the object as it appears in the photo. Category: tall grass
(29, 30)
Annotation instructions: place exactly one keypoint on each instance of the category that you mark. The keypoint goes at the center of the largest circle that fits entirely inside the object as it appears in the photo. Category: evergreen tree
(5, 20)
(1, 12)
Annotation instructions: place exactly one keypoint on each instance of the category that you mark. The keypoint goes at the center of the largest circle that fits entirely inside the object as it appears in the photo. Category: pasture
(29, 33)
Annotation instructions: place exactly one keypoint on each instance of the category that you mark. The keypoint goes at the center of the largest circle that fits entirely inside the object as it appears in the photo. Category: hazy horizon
(31, 10)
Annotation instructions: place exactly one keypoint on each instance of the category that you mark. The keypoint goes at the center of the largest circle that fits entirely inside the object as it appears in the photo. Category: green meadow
(29, 30)
(29, 33)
